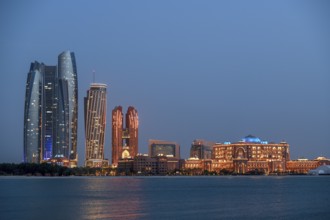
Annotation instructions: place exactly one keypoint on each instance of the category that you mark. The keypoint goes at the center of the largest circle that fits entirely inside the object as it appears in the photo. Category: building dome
(251, 139)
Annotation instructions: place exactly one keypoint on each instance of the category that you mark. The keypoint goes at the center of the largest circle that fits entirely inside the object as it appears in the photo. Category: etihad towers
(67, 107)
(33, 135)
(51, 111)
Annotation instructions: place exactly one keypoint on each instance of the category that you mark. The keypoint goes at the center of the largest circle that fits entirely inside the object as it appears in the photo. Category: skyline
(216, 71)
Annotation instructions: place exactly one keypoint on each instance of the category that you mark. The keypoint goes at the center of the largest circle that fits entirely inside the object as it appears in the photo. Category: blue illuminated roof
(251, 139)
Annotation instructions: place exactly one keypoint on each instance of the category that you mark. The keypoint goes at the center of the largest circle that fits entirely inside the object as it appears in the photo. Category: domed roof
(251, 139)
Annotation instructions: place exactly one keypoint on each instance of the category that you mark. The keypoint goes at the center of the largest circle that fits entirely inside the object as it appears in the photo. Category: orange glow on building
(124, 140)
(251, 154)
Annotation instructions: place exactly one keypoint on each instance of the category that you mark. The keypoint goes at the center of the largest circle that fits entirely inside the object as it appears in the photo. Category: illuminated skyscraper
(50, 114)
(131, 132)
(117, 133)
(67, 107)
(124, 140)
(33, 114)
(95, 121)
(49, 111)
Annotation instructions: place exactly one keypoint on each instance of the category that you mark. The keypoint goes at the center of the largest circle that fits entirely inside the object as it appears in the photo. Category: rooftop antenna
(93, 76)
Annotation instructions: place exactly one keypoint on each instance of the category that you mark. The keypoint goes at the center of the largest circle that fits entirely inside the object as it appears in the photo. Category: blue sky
(214, 70)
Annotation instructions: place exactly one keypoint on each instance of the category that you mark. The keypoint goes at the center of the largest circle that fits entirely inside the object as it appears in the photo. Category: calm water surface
(233, 197)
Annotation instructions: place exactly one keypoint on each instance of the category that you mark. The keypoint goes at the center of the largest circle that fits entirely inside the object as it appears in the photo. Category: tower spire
(93, 76)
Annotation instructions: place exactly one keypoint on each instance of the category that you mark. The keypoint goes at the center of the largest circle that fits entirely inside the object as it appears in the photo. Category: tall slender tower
(124, 140)
(33, 114)
(49, 106)
(67, 108)
(132, 125)
(95, 123)
(117, 133)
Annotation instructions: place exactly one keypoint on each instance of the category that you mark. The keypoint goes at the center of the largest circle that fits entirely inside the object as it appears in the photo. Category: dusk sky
(213, 70)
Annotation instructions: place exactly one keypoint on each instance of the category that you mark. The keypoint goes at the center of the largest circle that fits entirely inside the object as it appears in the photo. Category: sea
(165, 197)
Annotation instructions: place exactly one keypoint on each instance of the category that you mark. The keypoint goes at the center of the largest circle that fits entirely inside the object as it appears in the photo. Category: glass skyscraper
(95, 121)
(50, 114)
(33, 114)
(67, 107)
(49, 106)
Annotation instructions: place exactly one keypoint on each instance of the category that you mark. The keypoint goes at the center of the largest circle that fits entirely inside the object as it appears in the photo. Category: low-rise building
(159, 165)
(164, 148)
(201, 149)
(303, 165)
(250, 154)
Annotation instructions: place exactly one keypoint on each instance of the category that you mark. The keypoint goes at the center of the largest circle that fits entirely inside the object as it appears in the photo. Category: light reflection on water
(165, 197)
(119, 198)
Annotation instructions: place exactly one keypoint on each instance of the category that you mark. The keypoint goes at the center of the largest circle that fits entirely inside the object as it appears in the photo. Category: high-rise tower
(49, 111)
(50, 114)
(132, 128)
(124, 140)
(33, 114)
(95, 122)
(117, 133)
(67, 108)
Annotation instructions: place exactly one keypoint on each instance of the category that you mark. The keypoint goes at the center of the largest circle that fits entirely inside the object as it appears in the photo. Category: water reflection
(112, 198)
(165, 198)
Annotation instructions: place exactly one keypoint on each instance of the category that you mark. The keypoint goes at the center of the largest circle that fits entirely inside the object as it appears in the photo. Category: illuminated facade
(67, 107)
(124, 140)
(196, 166)
(201, 149)
(50, 114)
(33, 114)
(250, 154)
(143, 164)
(95, 122)
(303, 166)
(164, 148)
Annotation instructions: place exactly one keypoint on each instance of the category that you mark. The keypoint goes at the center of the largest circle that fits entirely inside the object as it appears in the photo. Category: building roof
(251, 139)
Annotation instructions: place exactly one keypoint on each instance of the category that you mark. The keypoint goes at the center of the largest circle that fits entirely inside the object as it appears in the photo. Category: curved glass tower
(67, 108)
(33, 114)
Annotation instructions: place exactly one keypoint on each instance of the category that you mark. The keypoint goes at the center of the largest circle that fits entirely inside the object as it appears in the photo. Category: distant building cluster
(51, 123)
(249, 155)
(51, 118)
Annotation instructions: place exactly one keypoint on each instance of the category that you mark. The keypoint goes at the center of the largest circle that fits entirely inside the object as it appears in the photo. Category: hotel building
(95, 123)
(124, 139)
(250, 154)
